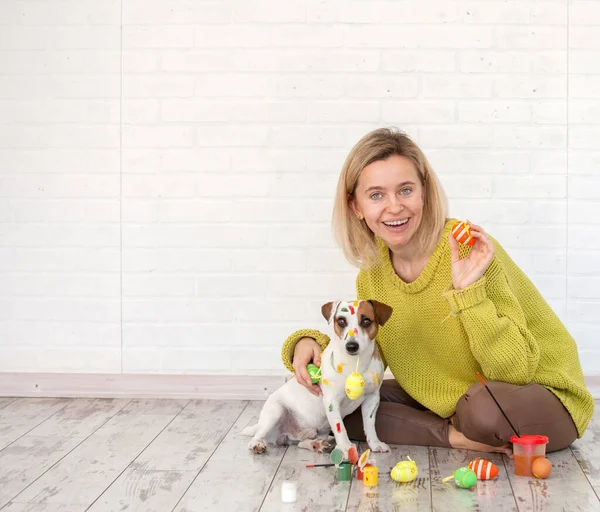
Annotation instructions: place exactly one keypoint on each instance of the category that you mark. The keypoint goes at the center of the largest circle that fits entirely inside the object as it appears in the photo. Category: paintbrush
(320, 465)
(501, 410)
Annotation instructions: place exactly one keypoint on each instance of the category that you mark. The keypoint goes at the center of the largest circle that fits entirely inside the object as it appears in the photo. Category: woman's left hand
(467, 270)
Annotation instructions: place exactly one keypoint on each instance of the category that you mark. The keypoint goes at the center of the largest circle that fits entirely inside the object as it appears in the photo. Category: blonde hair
(358, 242)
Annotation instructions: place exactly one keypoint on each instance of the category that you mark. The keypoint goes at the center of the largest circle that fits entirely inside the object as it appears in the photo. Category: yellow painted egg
(355, 385)
(405, 471)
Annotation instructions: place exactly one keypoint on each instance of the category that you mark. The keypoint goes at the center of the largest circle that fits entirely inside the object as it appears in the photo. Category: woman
(458, 310)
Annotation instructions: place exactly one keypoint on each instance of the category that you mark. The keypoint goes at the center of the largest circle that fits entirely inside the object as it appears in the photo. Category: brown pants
(532, 409)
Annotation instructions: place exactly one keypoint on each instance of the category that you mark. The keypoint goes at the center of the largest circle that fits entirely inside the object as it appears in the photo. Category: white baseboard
(100, 385)
(223, 387)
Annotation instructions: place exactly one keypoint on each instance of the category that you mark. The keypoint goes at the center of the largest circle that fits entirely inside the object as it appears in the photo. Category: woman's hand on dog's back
(307, 350)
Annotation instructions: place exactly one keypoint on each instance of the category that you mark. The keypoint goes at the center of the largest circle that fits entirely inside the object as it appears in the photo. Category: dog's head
(356, 323)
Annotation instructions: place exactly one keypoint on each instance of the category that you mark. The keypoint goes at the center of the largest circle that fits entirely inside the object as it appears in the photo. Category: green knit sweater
(438, 337)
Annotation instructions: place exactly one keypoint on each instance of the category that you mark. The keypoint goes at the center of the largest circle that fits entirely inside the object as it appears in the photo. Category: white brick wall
(59, 186)
(167, 168)
(583, 201)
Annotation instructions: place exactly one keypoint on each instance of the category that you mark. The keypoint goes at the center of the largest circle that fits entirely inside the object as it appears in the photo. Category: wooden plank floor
(71, 455)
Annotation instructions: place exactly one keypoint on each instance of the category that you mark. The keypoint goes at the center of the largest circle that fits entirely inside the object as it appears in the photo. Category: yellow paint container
(371, 476)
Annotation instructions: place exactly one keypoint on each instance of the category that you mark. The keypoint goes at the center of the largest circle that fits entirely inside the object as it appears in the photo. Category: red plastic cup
(526, 449)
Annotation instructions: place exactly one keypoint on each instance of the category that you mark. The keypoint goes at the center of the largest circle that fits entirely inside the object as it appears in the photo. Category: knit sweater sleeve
(496, 327)
(287, 351)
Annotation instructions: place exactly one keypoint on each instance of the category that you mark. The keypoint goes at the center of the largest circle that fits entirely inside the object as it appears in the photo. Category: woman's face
(389, 196)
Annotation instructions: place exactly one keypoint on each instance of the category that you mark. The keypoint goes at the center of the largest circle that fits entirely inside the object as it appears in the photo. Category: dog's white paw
(316, 445)
(326, 446)
(257, 446)
(378, 446)
(345, 449)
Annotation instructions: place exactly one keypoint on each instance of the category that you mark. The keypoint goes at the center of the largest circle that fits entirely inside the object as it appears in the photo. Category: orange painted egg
(541, 467)
(484, 469)
(462, 233)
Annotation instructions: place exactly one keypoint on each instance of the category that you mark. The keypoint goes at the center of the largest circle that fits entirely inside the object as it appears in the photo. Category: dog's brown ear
(328, 310)
(383, 312)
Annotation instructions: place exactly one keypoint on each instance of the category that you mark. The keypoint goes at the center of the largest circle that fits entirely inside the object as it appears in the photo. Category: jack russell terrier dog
(292, 413)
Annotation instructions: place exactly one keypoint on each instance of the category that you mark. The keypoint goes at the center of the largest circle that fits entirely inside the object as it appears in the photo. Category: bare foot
(458, 440)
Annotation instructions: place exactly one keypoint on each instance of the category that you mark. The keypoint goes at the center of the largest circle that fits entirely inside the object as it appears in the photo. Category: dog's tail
(250, 430)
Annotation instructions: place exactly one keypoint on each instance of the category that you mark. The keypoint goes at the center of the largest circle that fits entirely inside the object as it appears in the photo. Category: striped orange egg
(484, 469)
(461, 232)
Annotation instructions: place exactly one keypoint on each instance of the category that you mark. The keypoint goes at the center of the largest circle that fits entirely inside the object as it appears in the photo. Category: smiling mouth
(396, 223)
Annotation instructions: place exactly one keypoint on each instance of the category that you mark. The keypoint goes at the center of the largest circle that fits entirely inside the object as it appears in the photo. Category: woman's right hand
(307, 350)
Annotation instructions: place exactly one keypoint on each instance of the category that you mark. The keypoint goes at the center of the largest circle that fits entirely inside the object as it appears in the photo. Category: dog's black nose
(352, 347)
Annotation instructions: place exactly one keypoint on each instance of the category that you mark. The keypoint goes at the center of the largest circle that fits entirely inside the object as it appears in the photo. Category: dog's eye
(366, 322)
(342, 322)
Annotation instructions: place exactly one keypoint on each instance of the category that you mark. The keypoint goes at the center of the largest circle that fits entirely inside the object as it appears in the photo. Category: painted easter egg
(541, 468)
(462, 233)
(465, 478)
(404, 471)
(484, 469)
(314, 372)
(355, 385)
